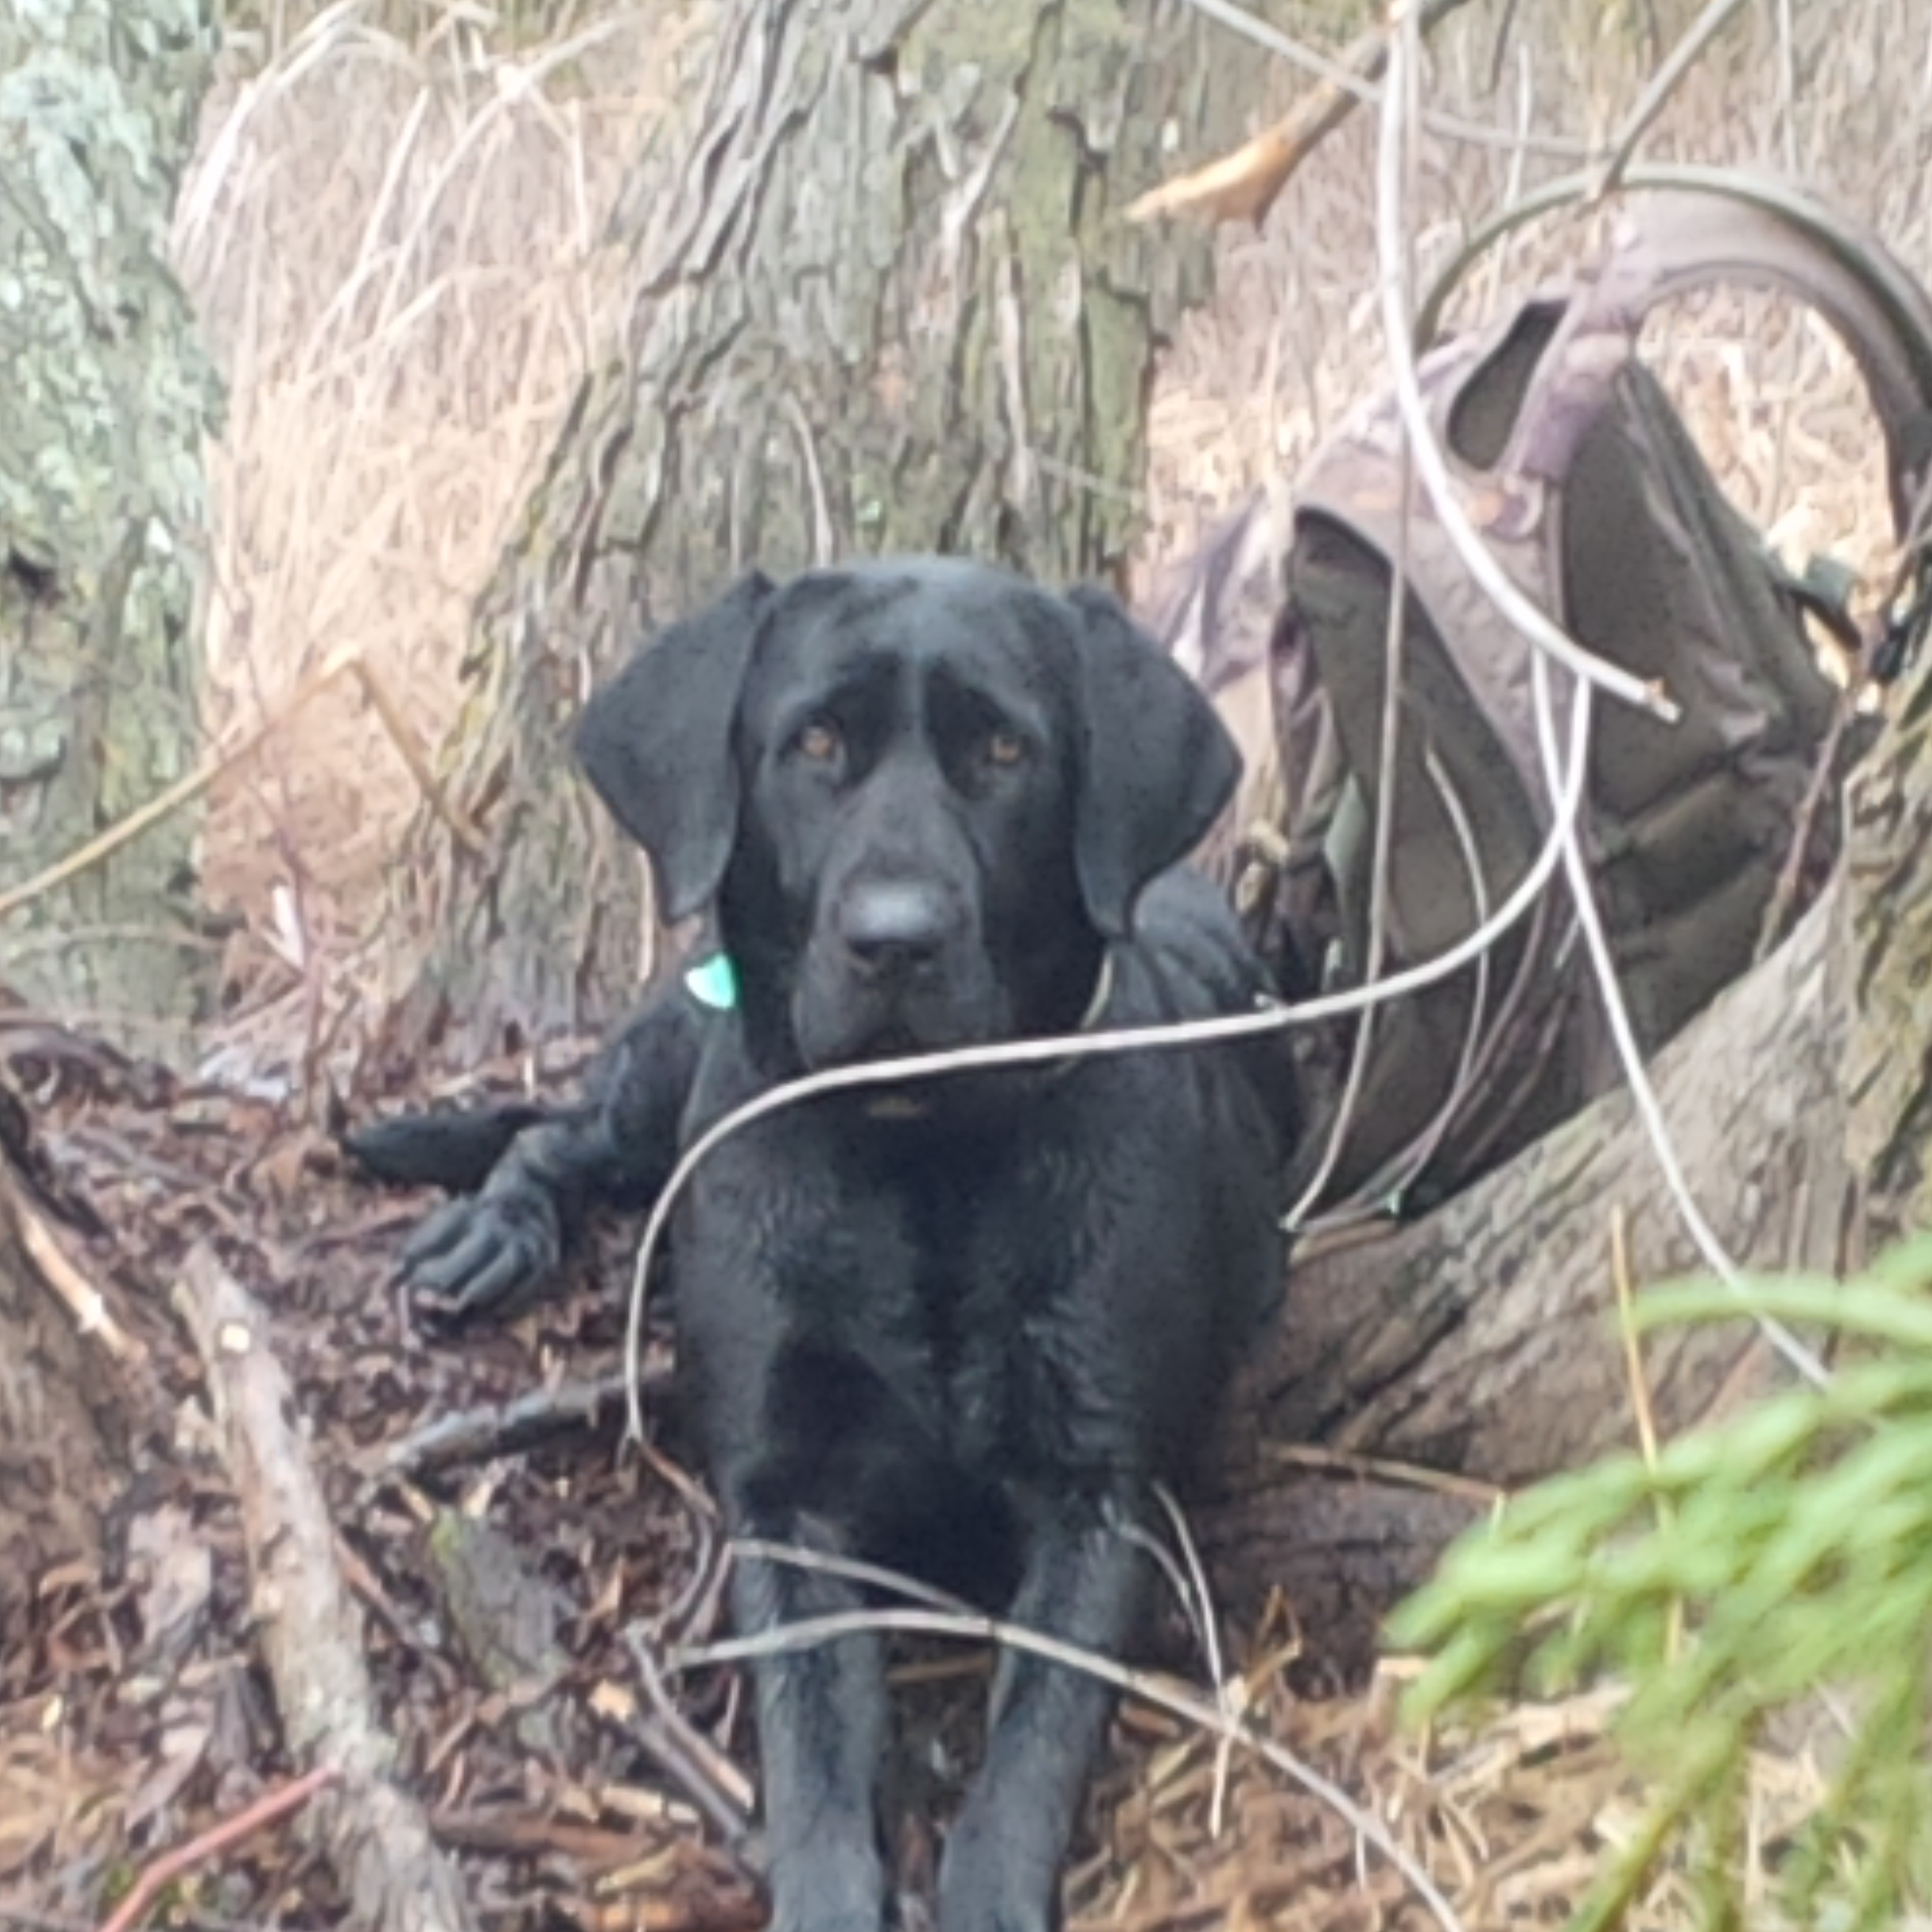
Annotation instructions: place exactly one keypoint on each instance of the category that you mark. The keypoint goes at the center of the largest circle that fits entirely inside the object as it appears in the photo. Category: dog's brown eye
(1004, 747)
(820, 743)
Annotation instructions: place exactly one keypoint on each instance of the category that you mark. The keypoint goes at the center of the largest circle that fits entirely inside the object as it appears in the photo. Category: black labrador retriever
(961, 1327)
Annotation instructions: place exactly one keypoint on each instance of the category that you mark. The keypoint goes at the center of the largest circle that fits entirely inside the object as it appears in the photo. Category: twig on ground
(186, 790)
(705, 1775)
(695, 1607)
(504, 1428)
(810, 1632)
(267, 1809)
(1244, 185)
(378, 1840)
(84, 1301)
(526, 1833)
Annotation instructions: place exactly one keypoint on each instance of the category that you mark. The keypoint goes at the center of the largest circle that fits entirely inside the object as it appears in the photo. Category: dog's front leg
(821, 1728)
(1086, 1584)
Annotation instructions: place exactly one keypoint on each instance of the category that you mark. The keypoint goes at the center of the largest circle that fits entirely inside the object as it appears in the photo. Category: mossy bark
(106, 401)
(886, 302)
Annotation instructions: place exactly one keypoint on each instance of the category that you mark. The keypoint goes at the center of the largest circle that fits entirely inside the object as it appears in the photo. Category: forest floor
(520, 1588)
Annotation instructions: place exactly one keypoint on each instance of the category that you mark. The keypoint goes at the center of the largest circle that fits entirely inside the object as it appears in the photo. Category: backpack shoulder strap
(1749, 230)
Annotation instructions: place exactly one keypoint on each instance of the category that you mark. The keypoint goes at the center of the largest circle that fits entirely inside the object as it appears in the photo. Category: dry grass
(398, 247)
(1512, 1819)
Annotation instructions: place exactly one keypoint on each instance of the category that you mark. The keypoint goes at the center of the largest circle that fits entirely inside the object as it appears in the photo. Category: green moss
(109, 399)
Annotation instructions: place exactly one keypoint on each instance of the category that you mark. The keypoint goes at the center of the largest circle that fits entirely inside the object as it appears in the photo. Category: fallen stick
(184, 790)
(88, 1306)
(1244, 185)
(375, 1836)
(505, 1428)
(267, 1809)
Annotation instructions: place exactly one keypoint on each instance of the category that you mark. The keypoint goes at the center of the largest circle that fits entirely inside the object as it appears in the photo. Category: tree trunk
(106, 400)
(887, 303)
(106, 403)
(1482, 1340)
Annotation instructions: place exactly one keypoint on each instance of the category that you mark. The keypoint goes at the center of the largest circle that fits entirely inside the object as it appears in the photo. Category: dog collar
(713, 983)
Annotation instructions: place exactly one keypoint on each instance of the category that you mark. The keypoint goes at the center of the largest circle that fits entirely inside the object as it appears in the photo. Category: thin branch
(501, 1428)
(852, 1570)
(1683, 57)
(375, 1835)
(1338, 74)
(409, 748)
(182, 792)
(1388, 1469)
(1536, 626)
(1627, 1325)
(1202, 1608)
(1636, 1076)
(85, 1302)
(1640, 1393)
(186, 790)
(705, 1775)
(1244, 185)
(270, 1809)
(1388, 752)
(809, 1632)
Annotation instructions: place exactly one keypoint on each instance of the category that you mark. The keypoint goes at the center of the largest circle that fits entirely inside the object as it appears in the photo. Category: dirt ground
(520, 1598)
(133, 1709)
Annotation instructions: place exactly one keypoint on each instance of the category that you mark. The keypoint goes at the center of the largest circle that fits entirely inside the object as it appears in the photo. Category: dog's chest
(972, 1300)
(956, 1272)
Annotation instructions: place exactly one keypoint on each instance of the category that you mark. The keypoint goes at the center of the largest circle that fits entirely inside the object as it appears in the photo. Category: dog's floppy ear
(656, 742)
(1156, 767)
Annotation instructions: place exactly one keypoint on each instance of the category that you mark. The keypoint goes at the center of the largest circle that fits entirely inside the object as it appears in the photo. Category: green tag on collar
(713, 983)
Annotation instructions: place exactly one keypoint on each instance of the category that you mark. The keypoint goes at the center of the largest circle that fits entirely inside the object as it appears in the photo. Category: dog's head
(922, 794)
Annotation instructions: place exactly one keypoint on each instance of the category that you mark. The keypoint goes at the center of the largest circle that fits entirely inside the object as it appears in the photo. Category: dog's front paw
(997, 1908)
(988, 1886)
(836, 1888)
(490, 1255)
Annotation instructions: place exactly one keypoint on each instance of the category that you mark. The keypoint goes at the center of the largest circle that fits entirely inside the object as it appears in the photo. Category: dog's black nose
(895, 926)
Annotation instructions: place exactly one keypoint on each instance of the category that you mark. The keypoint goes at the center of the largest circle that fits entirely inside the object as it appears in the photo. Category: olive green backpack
(1578, 469)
